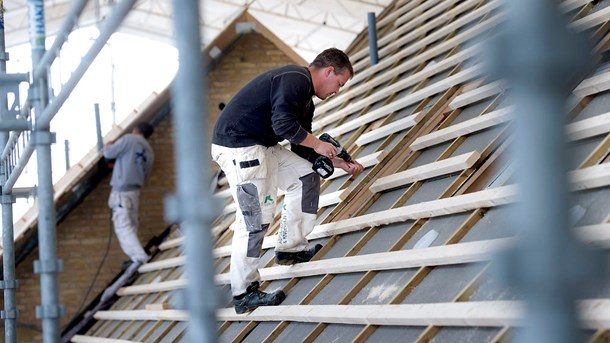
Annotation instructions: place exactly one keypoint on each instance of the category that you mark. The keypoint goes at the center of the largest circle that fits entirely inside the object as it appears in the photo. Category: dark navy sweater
(276, 105)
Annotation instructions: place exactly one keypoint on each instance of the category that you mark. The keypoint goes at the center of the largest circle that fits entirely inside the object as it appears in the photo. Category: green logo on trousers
(268, 199)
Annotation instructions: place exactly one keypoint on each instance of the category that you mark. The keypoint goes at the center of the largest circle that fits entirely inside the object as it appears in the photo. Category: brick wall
(83, 235)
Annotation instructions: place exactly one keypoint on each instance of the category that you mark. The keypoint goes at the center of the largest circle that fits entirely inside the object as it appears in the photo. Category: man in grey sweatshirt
(134, 159)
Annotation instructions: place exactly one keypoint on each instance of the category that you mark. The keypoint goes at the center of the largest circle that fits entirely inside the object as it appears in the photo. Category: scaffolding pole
(48, 266)
(541, 58)
(192, 205)
(8, 283)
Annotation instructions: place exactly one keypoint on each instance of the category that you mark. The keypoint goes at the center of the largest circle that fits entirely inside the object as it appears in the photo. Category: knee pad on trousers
(311, 193)
(255, 241)
(247, 197)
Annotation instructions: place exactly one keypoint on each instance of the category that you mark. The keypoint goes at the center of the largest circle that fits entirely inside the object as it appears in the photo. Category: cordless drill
(323, 165)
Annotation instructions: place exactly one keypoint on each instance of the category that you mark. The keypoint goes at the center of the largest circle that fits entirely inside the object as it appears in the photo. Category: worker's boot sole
(290, 258)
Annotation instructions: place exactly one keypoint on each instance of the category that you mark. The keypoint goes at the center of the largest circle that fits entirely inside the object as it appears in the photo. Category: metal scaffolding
(533, 57)
(18, 148)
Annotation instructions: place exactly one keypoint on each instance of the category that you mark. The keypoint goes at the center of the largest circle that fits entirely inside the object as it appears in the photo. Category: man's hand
(322, 148)
(352, 167)
(326, 149)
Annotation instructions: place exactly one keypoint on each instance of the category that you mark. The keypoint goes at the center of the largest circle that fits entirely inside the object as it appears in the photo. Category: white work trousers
(255, 173)
(124, 207)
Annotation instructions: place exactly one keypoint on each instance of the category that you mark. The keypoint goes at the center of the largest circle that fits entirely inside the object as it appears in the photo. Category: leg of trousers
(124, 207)
(254, 175)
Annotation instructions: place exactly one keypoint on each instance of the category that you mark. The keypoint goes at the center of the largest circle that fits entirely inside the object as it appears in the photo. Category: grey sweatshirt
(134, 160)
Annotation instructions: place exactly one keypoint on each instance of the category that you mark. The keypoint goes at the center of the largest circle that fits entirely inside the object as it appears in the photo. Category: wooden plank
(433, 256)
(402, 259)
(592, 20)
(332, 198)
(424, 26)
(393, 127)
(431, 70)
(456, 204)
(477, 94)
(436, 29)
(411, 15)
(173, 315)
(163, 264)
(464, 128)
(171, 243)
(398, 104)
(158, 307)
(580, 130)
(223, 194)
(415, 19)
(230, 208)
(390, 74)
(594, 84)
(366, 161)
(91, 339)
(388, 38)
(590, 177)
(598, 235)
(152, 287)
(486, 198)
(569, 5)
(385, 67)
(590, 127)
(593, 314)
(431, 170)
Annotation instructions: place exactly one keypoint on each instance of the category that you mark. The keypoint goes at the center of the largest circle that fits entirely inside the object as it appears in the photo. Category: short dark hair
(335, 58)
(145, 129)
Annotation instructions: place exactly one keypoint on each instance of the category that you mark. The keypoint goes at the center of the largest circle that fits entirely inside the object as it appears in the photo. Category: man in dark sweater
(276, 105)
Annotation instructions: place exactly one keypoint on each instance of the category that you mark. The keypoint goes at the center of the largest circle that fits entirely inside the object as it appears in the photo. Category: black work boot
(288, 258)
(254, 298)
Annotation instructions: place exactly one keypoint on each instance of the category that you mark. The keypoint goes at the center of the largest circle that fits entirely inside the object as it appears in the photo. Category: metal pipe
(70, 21)
(23, 77)
(13, 124)
(14, 136)
(18, 167)
(8, 260)
(47, 266)
(373, 38)
(192, 203)
(98, 127)
(538, 56)
(111, 24)
(8, 272)
(67, 153)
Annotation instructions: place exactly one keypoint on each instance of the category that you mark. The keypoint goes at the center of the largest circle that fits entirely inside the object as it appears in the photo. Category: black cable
(97, 273)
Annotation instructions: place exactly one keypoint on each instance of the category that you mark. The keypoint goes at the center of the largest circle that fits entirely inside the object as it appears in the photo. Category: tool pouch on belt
(251, 164)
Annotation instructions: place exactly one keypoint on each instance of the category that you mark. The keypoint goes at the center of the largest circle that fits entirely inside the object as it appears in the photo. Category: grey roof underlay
(408, 243)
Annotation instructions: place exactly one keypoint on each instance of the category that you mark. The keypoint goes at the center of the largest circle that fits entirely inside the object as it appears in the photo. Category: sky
(141, 66)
